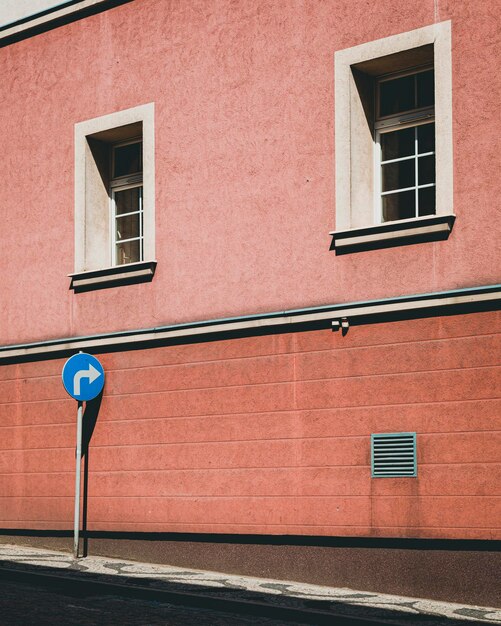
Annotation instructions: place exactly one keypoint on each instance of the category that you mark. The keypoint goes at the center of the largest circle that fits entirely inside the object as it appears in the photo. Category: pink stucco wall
(269, 435)
(244, 97)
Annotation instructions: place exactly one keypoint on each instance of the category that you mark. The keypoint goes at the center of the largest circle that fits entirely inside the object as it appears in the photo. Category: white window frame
(378, 193)
(113, 223)
(412, 118)
(355, 171)
(93, 232)
(122, 183)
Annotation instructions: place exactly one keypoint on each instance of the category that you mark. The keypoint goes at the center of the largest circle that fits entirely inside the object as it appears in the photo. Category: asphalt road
(25, 605)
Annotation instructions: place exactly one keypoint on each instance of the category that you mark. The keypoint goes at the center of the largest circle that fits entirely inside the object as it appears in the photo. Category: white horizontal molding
(415, 230)
(403, 307)
(131, 273)
(59, 13)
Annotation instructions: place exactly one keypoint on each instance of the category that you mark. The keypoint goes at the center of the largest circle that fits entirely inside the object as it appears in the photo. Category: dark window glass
(397, 144)
(425, 89)
(399, 175)
(128, 252)
(128, 227)
(128, 160)
(427, 201)
(396, 95)
(426, 138)
(127, 200)
(426, 170)
(399, 206)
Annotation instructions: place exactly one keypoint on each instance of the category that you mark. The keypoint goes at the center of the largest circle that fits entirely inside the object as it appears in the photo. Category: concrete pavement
(309, 603)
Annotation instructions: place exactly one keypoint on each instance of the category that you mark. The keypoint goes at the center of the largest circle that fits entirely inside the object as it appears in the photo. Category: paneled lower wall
(268, 435)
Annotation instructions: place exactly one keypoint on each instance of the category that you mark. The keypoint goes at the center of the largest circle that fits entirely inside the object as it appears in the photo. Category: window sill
(389, 234)
(116, 276)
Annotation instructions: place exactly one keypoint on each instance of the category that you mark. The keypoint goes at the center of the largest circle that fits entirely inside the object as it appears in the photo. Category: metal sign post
(83, 379)
(76, 526)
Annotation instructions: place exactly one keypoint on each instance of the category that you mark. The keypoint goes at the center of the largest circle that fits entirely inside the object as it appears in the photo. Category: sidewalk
(318, 604)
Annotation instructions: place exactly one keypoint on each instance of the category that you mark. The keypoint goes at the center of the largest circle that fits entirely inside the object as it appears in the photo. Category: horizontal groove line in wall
(156, 419)
(294, 496)
(269, 438)
(277, 382)
(261, 525)
(377, 452)
(405, 341)
(265, 384)
(324, 496)
(67, 400)
(292, 468)
(162, 365)
(189, 523)
(131, 422)
(292, 410)
(240, 468)
(265, 355)
(297, 352)
(188, 468)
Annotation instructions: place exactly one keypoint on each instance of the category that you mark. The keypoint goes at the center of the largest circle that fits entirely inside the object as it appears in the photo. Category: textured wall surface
(244, 101)
(269, 435)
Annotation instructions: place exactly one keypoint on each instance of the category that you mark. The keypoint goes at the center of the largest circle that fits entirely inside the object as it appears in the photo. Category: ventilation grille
(393, 454)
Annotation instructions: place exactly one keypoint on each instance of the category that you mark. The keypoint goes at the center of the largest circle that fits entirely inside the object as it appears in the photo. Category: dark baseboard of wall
(449, 570)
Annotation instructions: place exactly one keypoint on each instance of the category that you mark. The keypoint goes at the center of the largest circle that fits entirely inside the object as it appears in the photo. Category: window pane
(399, 175)
(127, 201)
(397, 144)
(426, 170)
(427, 201)
(425, 89)
(128, 252)
(127, 227)
(399, 206)
(128, 159)
(396, 95)
(426, 138)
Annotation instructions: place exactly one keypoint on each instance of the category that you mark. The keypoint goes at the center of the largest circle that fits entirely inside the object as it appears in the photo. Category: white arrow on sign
(92, 374)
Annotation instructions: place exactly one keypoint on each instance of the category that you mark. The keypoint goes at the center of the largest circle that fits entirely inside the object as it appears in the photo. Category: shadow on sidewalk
(77, 582)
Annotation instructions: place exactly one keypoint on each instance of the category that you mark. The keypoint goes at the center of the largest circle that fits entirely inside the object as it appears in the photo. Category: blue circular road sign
(83, 376)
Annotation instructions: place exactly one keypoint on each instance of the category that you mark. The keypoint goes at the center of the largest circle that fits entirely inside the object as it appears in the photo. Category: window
(405, 146)
(126, 190)
(393, 108)
(114, 200)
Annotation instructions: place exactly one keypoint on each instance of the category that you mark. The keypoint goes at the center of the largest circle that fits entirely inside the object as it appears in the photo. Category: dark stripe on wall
(273, 540)
(453, 571)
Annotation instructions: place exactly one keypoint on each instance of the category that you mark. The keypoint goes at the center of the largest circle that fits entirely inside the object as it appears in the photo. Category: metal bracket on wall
(342, 324)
